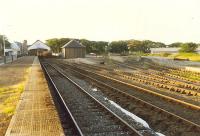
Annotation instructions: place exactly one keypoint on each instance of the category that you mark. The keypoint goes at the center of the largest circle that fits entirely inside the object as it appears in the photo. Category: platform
(35, 114)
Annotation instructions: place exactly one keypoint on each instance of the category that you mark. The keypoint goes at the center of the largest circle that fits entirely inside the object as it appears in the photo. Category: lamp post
(108, 49)
(4, 47)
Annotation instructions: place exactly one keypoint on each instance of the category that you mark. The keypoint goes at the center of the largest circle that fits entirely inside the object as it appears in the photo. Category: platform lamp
(4, 47)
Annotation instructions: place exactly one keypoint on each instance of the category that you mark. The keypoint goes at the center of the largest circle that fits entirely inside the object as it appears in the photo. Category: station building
(73, 49)
(38, 48)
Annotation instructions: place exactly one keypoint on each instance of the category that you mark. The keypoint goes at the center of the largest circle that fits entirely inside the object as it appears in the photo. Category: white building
(198, 50)
(164, 50)
(168, 50)
(8, 52)
(15, 49)
(38, 48)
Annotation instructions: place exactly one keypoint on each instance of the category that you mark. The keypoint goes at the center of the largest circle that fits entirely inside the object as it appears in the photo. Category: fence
(7, 59)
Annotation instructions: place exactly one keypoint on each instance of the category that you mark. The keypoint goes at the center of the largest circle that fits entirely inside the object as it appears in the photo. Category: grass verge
(190, 56)
(10, 97)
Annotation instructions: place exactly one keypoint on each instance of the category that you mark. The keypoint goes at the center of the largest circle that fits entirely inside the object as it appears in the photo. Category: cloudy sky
(160, 20)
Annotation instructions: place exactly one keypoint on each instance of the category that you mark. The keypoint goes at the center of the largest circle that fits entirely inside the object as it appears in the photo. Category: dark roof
(73, 44)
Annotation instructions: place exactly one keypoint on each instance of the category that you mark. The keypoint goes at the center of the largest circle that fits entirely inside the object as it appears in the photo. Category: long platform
(35, 114)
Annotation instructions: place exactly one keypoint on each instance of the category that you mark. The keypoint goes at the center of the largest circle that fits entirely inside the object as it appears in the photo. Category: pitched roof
(38, 45)
(73, 44)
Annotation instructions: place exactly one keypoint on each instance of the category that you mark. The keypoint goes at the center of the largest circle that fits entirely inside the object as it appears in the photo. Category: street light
(4, 47)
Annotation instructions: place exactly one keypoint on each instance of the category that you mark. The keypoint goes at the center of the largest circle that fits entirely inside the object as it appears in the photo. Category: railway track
(164, 80)
(164, 85)
(165, 73)
(90, 117)
(161, 100)
(68, 125)
(145, 109)
(161, 80)
(170, 85)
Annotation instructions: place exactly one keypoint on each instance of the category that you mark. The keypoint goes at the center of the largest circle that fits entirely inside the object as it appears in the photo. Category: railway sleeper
(120, 133)
(182, 91)
(161, 86)
(172, 89)
(166, 87)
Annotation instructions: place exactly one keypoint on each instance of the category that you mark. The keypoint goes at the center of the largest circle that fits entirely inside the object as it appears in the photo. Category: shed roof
(73, 44)
(38, 45)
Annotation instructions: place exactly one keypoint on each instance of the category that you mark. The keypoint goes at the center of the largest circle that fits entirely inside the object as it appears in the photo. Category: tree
(158, 45)
(144, 46)
(87, 44)
(100, 46)
(176, 44)
(138, 46)
(97, 47)
(118, 47)
(7, 44)
(91, 46)
(55, 44)
(188, 47)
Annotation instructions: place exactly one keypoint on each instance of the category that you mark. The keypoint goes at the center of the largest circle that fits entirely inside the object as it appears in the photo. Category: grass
(190, 56)
(188, 74)
(13, 93)
(9, 110)
(160, 54)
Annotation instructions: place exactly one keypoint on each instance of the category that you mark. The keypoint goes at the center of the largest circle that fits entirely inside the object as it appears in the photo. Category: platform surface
(35, 114)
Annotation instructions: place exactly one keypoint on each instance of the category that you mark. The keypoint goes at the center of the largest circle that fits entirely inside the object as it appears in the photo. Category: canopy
(39, 45)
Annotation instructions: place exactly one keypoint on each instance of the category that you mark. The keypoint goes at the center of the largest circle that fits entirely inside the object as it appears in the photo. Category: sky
(165, 21)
